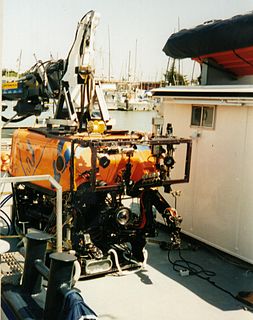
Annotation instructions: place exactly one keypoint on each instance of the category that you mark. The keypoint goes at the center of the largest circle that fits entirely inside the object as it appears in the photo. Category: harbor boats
(127, 96)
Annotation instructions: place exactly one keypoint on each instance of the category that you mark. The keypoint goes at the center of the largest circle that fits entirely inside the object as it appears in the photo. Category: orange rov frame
(114, 159)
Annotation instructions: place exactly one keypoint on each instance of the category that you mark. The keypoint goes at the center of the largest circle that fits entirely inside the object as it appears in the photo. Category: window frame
(202, 106)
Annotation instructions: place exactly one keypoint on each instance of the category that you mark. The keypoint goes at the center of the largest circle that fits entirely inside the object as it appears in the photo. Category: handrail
(58, 188)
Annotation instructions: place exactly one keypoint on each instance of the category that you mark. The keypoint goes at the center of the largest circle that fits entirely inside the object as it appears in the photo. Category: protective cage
(98, 222)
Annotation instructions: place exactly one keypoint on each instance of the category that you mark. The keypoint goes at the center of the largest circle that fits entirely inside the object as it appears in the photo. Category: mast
(135, 60)
(179, 60)
(129, 66)
(109, 55)
(19, 62)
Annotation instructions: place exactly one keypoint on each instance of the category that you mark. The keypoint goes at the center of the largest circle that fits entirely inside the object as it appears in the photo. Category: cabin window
(203, 116)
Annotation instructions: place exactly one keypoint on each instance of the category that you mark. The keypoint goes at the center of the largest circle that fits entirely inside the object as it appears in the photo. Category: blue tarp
(75, 308)
(211, 37)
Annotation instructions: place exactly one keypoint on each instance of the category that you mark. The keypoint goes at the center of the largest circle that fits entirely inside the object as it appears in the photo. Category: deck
(159, 292)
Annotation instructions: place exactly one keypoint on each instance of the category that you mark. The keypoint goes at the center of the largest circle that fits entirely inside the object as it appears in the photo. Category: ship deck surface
(159, 292)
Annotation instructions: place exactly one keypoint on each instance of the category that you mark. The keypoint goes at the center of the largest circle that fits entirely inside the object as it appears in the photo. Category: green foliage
(174, 78)
(9, 73)
(12, 73)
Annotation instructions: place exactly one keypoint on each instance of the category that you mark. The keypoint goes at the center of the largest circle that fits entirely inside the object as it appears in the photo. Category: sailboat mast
(179, 60)
(129, 66)
(135, 60)
(19, 62)
(109, 55)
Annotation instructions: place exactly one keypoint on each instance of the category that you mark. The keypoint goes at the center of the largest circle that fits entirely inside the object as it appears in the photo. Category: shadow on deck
(161, 293)
(219, 277)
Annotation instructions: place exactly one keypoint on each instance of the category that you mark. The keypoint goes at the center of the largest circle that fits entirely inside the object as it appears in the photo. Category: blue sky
(44, 27)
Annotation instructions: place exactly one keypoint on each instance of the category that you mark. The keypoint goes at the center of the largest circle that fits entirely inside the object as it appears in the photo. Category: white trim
(212, 101)
(215, 89)
(219, 95)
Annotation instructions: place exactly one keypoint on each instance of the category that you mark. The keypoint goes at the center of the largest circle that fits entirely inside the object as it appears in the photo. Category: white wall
(217, 204)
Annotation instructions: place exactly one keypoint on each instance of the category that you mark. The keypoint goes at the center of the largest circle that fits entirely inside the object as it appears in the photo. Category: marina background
(129, 37)
(133, 120)
(124, 120)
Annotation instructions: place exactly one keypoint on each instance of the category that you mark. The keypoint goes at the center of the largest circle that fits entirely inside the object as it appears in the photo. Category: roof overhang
(213, 95)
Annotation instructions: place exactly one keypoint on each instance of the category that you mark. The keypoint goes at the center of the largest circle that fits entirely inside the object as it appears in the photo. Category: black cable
(21, 118)
(3, 202)
(194, 268)
(197, 270)
(6, 216)
(8, 232)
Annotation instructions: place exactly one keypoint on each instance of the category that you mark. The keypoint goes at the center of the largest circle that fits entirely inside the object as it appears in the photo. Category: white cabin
(217, 203)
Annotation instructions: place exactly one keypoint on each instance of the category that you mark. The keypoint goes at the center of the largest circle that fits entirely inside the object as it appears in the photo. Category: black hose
(7, 224)
(4, 119)
(3, 202)
(197, 270)
(6, 216)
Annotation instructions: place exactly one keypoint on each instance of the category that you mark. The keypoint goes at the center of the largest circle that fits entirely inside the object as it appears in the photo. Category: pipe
(58, 188)
(60, 275)
(1, 43)
(36, 250)
(139, 265)
(41, 268)
(58, 213)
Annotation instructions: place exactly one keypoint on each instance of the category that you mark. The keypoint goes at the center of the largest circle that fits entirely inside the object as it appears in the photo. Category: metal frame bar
(94, 144)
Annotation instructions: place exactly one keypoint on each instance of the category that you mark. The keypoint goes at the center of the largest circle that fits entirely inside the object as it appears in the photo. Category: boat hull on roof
(211, 37)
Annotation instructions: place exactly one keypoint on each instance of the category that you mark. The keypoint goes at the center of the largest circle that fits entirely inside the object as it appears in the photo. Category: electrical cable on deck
(193, 267)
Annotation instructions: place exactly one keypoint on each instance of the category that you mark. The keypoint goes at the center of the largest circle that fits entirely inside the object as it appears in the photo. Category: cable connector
(184, 272)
